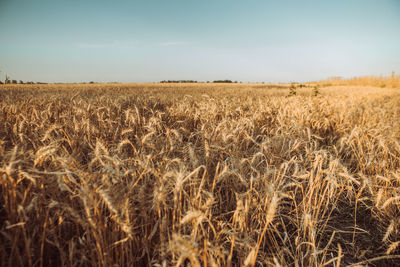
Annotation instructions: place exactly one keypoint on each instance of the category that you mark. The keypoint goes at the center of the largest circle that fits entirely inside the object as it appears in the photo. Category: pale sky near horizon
(154, 40)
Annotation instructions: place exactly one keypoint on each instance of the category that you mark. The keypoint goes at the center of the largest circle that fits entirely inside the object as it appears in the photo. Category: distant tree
(21, 81)
(7, 80)
(1, 82)
(14, 81)
(91, 82)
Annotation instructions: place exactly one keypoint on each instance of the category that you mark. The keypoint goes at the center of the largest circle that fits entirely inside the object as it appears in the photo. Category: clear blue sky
(144, 41)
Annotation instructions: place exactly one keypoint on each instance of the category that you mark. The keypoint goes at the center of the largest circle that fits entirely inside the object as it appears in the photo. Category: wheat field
(199, 175)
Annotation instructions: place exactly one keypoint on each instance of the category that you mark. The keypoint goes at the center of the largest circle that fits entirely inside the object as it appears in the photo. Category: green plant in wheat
(315, 91)
(293, 90)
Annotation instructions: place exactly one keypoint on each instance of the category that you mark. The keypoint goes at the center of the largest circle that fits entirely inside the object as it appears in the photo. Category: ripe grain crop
(199, 175)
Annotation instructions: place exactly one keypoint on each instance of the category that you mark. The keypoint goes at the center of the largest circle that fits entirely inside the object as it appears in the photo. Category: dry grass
(206, 175)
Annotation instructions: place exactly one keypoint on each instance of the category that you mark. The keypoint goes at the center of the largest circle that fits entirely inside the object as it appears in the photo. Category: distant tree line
(223, 81)
(7, 80)
(191, 81)
(179, 81)
(20, 82)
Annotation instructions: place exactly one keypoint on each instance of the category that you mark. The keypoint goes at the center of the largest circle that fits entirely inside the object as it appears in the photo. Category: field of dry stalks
(199, 175)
